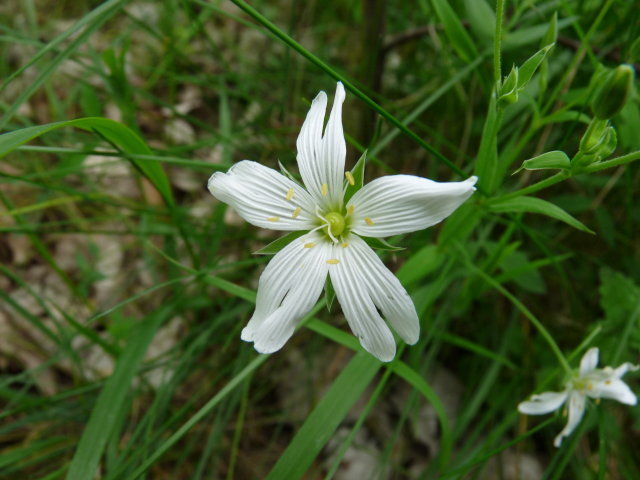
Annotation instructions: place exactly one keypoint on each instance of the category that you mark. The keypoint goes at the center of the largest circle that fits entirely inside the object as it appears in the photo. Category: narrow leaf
(325, 418)
(116, 133)
(526, 204)
(553, 159)
(455, 31)
(104, 414)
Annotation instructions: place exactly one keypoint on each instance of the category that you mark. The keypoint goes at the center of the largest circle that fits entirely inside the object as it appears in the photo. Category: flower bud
(611, 95)
(509, 89)
(594, 136)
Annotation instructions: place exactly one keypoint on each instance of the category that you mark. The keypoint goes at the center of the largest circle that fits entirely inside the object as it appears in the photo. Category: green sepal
(550, 160)
(286, 173)
(277, 245)
(358, 178)
(381, 244)
(329, 293)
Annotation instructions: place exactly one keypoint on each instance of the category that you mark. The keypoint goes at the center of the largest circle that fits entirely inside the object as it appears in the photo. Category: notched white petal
(385, 290)
(288, 289)
(359, 310)
(589, 361)
(576, 410)
(321, 156)
(398, 204)
(262, 196)
(615, 389)
(542, 403)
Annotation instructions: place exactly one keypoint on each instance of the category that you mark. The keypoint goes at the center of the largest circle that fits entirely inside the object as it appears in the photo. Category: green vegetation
(124, 284)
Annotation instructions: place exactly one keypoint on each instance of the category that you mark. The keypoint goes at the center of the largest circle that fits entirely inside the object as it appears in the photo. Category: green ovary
(336, 223)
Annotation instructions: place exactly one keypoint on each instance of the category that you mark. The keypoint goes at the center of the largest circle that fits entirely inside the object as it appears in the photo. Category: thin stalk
(547, 182)
(523, 309)
(497, 41)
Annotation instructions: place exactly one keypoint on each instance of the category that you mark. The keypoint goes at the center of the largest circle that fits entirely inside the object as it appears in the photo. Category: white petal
(358, 308)
(624, 368)
(615, 389)
(398, 204)
(576, 410)
(385, 290)
(589, 361)
(321, 158)
(543, 403)
(264, 197)
(288, 289)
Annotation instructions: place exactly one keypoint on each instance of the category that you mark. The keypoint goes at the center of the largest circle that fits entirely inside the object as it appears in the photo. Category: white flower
(588, 382)
(293, 280)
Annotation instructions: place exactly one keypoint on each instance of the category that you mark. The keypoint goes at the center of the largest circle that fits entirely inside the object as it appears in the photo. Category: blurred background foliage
(117, 306)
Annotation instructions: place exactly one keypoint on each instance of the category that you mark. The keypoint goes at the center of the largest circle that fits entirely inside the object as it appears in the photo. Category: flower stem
(547, 182)
(497, 73)
(523, 309)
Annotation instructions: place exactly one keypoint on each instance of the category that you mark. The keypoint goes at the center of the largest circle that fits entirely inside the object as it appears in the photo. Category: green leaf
(420, 264)
(564, 116)
(105, 412)
(381, 244)
(277, 245)
(116, 133)
(526, 204)
(528, 68)
(357, 172)
(326, 417)
(554, 159)
(460, 224)
(481, 17)
(455, 31)
(487, 160)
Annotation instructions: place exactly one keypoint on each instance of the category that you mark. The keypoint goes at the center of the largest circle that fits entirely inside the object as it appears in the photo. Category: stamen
(350, 178)
(607, 382)
(345, 245)
(351, 209)
(296, 212)
(309, 245)
(290, 194)
(324, 189)
(333, 261)
(589, 386)
(368, 221)
(273, 219)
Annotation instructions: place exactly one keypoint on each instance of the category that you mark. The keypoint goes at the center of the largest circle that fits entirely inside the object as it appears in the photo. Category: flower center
(336, 223)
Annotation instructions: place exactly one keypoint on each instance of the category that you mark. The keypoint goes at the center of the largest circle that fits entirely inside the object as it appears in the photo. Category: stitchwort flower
(589, 381)
(331, 244)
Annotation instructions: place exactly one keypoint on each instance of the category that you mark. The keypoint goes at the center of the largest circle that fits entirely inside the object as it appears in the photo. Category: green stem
(547, 182)
(614, 162)
(523, 309)
(497, 40)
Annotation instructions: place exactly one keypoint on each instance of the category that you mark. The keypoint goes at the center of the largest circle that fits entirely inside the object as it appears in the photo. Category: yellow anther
(607, 382)
(368, 221)
(296, 212)
(350, 178)
(589, 386)
(333, 261)
(309, 245)
(345, 245)
(351, 209)
(324, 189)
(273, 219)
(290, 194)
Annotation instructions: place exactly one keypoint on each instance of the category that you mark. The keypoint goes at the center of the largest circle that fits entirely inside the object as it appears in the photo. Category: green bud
(608, 145)
(509, 89)
(612, 91)
(594, 136)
